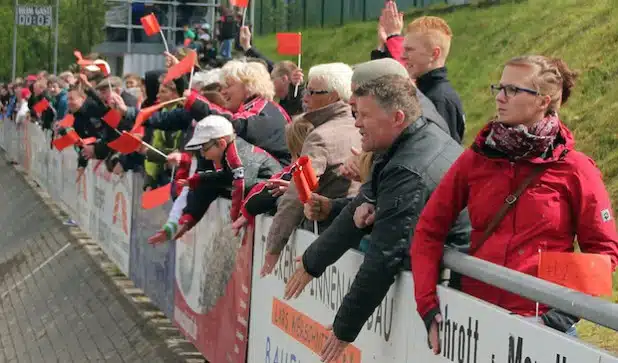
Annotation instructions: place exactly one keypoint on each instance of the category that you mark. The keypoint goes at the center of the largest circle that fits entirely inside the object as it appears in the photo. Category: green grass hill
(582, 32)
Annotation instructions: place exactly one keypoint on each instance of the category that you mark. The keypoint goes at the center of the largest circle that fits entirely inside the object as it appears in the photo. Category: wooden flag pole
(299, 59)
(167, 49)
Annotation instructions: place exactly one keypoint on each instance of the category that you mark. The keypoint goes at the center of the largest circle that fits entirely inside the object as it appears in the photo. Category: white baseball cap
(209, 128)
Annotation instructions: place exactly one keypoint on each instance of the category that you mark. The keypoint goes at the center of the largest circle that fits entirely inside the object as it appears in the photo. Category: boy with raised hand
(425, 50)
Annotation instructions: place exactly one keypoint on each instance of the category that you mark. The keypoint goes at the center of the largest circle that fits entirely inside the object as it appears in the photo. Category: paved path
(56, 303)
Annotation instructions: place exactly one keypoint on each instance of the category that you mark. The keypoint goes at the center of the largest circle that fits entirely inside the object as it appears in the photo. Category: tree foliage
(81, 27)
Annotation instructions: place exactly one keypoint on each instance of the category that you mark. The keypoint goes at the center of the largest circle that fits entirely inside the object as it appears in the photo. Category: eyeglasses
(311, 92)
(511, 90)
(208, 145)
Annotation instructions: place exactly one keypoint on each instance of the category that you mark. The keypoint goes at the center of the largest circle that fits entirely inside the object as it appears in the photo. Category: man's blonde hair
(283, 68)
(435, 32)
(253, 75)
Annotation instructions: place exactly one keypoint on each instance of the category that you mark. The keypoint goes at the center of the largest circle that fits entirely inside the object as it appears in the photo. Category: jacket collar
(413, 128)
(429, 79)
(334, 110)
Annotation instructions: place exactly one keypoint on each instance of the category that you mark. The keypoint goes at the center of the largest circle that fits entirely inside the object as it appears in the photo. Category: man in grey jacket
(414, 154)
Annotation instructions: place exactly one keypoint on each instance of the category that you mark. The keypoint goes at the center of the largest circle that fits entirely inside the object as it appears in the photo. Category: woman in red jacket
(525, 147)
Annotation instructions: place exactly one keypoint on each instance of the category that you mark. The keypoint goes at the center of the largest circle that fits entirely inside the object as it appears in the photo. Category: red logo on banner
(120, 205)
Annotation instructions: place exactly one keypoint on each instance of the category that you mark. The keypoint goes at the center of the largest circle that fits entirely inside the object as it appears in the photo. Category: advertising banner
(152, 268)
(213, 282)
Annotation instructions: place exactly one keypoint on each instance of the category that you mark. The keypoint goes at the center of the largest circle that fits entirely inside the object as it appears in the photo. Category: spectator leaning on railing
(414, 154)
(526, 188)
(326, 99)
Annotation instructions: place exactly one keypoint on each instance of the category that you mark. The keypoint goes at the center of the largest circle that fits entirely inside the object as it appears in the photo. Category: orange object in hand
(304, 163)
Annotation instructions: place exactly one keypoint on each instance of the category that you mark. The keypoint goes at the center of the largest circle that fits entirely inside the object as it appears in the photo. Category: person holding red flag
(239, 166)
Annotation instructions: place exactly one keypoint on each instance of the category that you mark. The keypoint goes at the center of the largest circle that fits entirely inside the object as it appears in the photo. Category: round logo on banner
(206, 258)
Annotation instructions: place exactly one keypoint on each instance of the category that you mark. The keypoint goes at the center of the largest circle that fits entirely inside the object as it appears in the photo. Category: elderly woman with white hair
(326, 102)
(248, 92)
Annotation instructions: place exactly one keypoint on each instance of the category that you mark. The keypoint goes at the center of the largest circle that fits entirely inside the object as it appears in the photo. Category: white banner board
(472, 331)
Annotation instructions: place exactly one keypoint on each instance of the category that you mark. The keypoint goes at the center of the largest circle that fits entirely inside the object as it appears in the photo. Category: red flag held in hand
(187, 42)
(150, 24)
(145, 113)
(67, 121)
(304, 192)
(585, 272)
(304, 164)
(112, 118)
(156, 197)
(71, 138)
(103, 66)
(126, 143)
(240, 3)
(41, 106)
(183, 67)
(289, 43)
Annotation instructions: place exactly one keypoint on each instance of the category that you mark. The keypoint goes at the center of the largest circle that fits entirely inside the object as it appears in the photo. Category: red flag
(187, 42)
(112, 118)
(240, 3)
(185, 66)
(61, 143)
(585, 272)
(67, 121)
(289, 43)
(41, 106)
(304, 192)
(305, 166)
(126, 143)
(150, 24)
(156, 197)
(145, 113)
(80, 59)
(103, 66)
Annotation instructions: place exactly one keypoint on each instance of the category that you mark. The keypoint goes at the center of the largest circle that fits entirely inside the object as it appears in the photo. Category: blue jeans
(226, 48)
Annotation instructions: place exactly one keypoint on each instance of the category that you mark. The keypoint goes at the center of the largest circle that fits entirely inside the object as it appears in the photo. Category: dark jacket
(245, 166)
(402, 180)
(438, 89)
(259, 121)
(48, 116)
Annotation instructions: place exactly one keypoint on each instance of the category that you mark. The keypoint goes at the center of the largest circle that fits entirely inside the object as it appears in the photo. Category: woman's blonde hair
(296, 133)
(552, 78)
(253, 75)
(365, 161)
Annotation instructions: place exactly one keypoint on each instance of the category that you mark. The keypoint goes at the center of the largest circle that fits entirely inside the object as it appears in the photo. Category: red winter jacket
(569, 199)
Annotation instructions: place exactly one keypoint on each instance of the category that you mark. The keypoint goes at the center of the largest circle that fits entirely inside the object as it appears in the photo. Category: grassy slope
(583, 32)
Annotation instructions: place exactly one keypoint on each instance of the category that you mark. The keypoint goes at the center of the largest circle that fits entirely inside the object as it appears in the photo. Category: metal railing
(587, 307)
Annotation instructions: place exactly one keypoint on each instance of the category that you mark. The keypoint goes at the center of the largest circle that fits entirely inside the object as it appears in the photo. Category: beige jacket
(328, 146)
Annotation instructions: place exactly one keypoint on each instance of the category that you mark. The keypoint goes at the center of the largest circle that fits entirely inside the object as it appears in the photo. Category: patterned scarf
(522, 142)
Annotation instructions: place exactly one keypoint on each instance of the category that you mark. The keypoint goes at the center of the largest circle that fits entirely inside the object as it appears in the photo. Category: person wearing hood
(526, 189)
